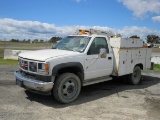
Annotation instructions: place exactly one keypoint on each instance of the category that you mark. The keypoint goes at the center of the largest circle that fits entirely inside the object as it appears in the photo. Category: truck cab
(84, 58)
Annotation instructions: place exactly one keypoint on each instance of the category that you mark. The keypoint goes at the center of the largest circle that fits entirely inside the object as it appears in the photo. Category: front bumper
(32, 84)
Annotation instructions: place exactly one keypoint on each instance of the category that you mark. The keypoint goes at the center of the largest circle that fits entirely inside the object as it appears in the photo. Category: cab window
(97, 44)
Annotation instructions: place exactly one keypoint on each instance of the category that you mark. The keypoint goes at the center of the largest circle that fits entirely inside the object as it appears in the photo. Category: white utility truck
(85, 58)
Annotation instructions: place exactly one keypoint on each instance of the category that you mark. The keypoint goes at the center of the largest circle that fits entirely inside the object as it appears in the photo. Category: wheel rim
(69, 89)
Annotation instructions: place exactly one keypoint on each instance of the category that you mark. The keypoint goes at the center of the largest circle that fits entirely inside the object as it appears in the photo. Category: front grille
(28, 65)
(33, 66)
(24, 64)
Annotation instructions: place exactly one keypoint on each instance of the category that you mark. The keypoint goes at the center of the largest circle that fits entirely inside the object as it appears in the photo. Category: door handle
(109, 58)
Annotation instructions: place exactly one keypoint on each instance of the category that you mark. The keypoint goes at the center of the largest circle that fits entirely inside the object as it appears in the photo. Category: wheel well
(76, 70)
(140, 65)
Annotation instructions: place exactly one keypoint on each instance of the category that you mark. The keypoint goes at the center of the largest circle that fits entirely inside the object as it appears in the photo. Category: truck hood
(43, 55)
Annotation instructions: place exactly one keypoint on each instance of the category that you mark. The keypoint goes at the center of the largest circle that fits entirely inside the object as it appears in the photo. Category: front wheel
(135, 77)
(67, 88)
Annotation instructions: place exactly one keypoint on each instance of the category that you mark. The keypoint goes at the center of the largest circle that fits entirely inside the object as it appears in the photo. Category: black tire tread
(56, 85)
(130, 80)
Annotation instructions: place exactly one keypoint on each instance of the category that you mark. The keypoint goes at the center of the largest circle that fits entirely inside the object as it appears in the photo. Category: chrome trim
(33, 83)
(28, 62)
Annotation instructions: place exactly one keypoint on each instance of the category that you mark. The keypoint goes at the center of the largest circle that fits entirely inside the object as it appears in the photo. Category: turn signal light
(46, 66)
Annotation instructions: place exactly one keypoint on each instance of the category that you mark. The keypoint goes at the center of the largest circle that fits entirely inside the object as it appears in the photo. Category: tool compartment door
(122, 61)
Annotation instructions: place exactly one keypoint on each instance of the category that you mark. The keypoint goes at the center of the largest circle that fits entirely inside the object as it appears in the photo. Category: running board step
(97, 80)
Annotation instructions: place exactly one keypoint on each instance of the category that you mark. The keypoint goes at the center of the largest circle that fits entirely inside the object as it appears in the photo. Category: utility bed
(128, 53)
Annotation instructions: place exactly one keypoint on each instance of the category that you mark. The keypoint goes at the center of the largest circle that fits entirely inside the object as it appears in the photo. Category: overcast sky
(42, 19)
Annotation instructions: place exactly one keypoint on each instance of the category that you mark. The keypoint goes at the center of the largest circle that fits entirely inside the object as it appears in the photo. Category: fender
(67, 65)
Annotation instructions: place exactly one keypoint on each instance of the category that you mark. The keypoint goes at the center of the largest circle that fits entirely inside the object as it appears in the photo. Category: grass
(8, 62)
(157, 67)
(156, 50)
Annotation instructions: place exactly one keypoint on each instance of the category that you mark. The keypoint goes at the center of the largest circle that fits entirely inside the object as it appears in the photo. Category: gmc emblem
(24, 65)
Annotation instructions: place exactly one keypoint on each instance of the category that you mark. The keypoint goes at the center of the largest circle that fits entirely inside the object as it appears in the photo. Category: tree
(14, 40)
(153, 39)
(54, 39)
(134, 36)
(41, 41)
(24, 40)
(28, 40)
(35, 41)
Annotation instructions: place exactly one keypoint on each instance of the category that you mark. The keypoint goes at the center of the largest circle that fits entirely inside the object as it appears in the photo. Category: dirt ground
(112, 100)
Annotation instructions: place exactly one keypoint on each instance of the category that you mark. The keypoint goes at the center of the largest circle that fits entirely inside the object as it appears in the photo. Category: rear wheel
(135, 77)
(67, 88)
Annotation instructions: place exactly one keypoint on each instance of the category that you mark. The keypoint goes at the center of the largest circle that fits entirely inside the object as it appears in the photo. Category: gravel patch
(112, 100)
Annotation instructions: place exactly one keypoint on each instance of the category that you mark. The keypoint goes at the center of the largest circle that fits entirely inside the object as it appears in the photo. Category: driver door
(96, 67)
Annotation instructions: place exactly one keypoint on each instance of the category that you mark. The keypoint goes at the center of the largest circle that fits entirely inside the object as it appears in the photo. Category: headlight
(43, 68)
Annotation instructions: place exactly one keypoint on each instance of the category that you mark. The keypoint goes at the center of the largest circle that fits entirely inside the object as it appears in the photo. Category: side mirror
(103, 53)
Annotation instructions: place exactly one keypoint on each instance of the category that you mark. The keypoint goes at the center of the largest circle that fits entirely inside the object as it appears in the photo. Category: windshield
(73, 43)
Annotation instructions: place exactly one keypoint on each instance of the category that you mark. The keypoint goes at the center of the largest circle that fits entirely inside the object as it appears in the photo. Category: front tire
(135, 77)
(67, 88)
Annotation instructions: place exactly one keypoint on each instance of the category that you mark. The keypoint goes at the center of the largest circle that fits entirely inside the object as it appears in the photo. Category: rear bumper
(33, 84)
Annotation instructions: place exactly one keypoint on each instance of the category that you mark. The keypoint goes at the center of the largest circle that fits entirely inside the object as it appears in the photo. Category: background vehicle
(85, 58)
